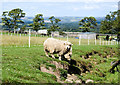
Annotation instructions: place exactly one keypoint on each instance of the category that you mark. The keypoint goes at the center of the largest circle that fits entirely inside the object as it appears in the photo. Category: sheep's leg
(52, 55)
(59, 57)
(46, 53)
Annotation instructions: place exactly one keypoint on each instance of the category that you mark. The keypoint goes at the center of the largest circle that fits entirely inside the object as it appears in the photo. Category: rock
(108, 56)
(69, 81)
(83, 56)
(71, 77)
(90, 56)
(95, 63)
(68, 75)
(89, 81)
(57, 64)
(51, 71)
(78, 81)
(86, 72)
(91, 71)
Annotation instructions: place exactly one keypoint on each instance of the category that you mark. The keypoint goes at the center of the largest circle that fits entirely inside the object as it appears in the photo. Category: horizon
(63, 9)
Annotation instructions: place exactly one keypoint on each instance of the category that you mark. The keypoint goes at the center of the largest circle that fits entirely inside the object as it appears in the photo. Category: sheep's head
(68, 45)
(68, 55)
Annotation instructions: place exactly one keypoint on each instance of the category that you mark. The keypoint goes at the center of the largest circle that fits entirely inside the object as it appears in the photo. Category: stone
(69, 81)
(89, 81)
(78, 81)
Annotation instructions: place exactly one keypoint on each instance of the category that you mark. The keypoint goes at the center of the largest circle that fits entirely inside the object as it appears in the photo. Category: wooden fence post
(29, 38)
(88, 40)
(100, 41)
(79, 39)
(108, 42)
(103, 42)
(95, 40)
(67, 37)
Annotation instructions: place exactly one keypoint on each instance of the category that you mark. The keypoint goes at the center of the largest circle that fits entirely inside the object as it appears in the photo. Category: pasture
(21, 64)
(22, 40)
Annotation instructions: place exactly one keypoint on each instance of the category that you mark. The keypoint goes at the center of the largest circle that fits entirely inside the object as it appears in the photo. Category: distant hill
(66, 23)
(64, 19)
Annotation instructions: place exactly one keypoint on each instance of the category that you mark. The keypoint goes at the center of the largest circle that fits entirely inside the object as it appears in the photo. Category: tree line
(13, 20)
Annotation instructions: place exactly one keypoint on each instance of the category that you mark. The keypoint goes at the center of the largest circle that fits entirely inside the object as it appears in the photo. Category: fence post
(108, 42)
(111, 42)
(11, 34)
(88, 40)
(95, 40)
(79, 39)
(29, 38)
(67, 37)
(115, 42)
(100, 41)
(103, 42)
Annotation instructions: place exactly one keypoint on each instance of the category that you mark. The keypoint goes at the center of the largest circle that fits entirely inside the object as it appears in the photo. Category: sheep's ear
(71, 44)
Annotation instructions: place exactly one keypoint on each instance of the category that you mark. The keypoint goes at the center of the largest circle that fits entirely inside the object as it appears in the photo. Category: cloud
(87, 6)
(115, 6)
(76, 8)
(86, 1)
(91, 7)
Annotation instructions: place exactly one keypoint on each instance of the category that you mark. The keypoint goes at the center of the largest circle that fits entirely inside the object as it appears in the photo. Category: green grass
(21, 64)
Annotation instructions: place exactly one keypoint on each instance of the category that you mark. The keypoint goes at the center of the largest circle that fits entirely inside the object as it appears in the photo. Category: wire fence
(11, 39)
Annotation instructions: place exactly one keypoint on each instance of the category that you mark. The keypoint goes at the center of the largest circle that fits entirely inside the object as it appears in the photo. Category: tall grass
(17, 40)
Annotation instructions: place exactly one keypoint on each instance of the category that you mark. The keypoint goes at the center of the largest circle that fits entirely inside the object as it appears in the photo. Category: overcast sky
(96, 8)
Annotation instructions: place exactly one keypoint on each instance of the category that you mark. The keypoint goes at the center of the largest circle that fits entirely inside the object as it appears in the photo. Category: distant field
(22, 64)
(17, 40)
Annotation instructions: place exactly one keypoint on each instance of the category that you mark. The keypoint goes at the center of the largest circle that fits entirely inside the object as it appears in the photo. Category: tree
(12, 18)
(54, 24)
(23, 28)
(110, 24)
(118, 34)
(15, 16)
(38, 22)
(7, 21)
(87, 24)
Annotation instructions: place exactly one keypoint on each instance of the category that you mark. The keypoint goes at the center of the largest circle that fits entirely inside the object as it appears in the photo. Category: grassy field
(22, 64)
(17, 40)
